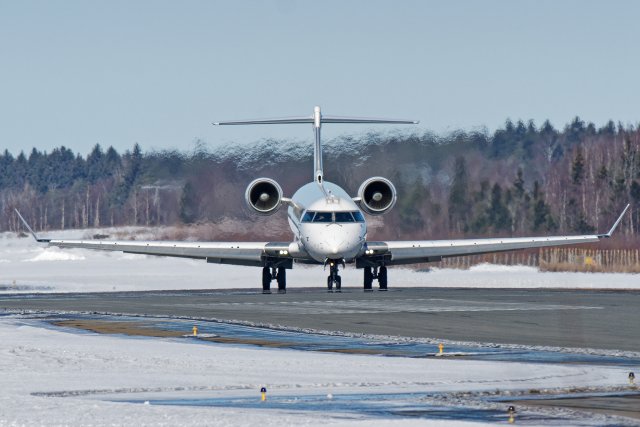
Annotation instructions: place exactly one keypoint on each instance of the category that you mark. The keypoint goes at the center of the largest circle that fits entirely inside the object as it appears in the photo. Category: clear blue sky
(78, 72)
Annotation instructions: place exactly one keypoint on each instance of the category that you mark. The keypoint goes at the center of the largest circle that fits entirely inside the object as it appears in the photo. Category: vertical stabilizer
(316, 120)
(317, 151)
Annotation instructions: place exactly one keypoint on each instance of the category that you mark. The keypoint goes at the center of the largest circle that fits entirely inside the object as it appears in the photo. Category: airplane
(328, 227)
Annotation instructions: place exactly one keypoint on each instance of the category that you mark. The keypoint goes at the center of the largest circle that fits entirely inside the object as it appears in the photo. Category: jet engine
(263, 196)
(377, 195)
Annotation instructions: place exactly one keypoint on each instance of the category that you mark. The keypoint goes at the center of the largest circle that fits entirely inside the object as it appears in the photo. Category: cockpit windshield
(322, 217)
(337, 217)
(344, 217)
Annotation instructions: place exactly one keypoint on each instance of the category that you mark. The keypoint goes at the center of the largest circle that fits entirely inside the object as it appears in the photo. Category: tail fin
(316, 119)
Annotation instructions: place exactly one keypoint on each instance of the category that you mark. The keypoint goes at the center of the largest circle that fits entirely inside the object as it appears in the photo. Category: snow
(28, 266)
(59, 377)
(62, 377)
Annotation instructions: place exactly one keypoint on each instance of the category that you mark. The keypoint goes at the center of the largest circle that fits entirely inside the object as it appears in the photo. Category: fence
(558, 259)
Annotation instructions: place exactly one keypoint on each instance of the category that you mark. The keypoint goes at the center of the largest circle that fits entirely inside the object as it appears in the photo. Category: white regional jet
(328, 226)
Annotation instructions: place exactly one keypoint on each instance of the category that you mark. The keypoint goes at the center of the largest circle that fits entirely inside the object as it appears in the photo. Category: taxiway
(537, 317)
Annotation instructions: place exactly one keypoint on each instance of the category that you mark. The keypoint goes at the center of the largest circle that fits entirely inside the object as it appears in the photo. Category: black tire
(338, 284)
(282, 280)
(368, 279)
(382, 278)
(266, 280)
(330, 284)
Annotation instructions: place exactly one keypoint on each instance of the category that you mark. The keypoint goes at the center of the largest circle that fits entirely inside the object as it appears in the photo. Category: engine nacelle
(377, 195)
(263, 196)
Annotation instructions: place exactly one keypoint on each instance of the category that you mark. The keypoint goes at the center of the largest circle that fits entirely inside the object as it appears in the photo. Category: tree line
(520, 179)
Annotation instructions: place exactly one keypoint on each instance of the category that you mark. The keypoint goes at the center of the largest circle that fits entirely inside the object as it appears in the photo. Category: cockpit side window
(308, 216)
(323, 217)
(358, 216)
(344, 217)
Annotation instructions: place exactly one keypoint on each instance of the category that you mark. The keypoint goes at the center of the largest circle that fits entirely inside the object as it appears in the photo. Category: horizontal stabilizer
(341, 119)
(274, 121)
(310, 119)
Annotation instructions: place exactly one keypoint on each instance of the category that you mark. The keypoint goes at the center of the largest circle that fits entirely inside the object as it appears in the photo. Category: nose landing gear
(334, 278)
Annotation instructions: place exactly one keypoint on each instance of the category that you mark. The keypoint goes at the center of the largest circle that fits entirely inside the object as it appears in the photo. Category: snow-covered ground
(59, 377)
(26, 266)
(63, 377)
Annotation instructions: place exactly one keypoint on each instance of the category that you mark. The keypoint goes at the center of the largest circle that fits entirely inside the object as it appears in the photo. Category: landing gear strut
(271, 273)
(371, 273)
(334, 278)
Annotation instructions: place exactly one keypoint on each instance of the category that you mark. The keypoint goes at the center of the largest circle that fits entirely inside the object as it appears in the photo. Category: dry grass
(558, 259)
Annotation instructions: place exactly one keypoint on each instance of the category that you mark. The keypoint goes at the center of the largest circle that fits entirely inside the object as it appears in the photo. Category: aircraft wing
(418, 251)
(237, 253)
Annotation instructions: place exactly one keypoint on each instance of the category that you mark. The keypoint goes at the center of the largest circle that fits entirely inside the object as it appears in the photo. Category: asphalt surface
(563, 318)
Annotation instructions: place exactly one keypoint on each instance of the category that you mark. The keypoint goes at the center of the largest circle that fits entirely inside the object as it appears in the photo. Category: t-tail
(316, 119)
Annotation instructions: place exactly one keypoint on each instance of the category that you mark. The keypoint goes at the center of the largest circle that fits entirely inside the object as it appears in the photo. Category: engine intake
(264, 196)
(377, 195)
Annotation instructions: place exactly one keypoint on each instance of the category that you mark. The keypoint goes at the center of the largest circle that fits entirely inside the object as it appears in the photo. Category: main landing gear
(334, 278)
(271, 273)
(371, 273)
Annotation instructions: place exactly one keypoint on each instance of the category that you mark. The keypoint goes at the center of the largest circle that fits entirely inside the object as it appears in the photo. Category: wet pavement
(376, 406)
(230, 333)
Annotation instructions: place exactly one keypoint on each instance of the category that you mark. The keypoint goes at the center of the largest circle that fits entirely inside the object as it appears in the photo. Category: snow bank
(55, 254)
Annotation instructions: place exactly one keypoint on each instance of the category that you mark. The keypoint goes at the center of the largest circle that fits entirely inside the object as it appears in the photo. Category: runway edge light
(512, 414)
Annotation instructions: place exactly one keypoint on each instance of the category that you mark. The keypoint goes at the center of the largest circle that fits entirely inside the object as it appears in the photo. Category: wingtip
(416, 122)
(615, 225)
(26, 224)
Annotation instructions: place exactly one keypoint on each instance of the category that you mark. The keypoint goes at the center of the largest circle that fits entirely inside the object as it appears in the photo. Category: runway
(605, 320)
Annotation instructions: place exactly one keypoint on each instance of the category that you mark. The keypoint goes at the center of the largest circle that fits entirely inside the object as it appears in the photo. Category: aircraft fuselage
(331, 226)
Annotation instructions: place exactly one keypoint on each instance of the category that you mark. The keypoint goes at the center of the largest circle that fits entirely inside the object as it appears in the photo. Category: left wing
(418, 251)
(237, 253)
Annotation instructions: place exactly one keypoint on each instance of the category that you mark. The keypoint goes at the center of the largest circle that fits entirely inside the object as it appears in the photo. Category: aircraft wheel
(282, 280)
(338, 284)
(329, 284)
(368, 279)
(266, 280)
(382, 278)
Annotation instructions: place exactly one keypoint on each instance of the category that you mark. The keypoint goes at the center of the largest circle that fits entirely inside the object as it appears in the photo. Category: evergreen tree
(189, 204)
(411, 218)
(577, 168)
(498, 214)
(542, 219)
(458, 196)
